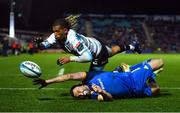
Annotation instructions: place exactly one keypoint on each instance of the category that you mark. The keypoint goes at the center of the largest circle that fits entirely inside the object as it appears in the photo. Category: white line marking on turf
(33, 89)
(174, 88)
(170, 88)
(61, 71)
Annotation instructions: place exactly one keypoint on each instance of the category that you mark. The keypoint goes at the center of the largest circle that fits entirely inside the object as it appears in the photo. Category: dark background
(39, 14)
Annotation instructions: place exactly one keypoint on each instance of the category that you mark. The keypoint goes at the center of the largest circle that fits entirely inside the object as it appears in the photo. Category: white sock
(131, 47)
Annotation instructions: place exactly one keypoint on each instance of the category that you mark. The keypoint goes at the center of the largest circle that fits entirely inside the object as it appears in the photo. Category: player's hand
(103, 95)
(63, 60)
(38, 40)
(41, 82)
(96, 88)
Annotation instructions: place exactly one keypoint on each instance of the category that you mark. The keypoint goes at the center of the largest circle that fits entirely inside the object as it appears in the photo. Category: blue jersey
(120, 85)
(117, 84)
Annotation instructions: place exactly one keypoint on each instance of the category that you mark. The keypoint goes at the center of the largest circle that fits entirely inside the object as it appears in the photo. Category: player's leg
(138, 65)
(96, 67)
(127, 68)
(121, 48)
(117, 49)
(145, 73)
(101, 60)
(98, 63)
(156, 64)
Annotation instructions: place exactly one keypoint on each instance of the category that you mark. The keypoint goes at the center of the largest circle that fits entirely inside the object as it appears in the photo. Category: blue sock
(118, 69)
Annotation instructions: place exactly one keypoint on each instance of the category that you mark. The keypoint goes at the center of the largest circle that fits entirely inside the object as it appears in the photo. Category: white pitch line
(167, 88)
(176, 88)
(33, 89)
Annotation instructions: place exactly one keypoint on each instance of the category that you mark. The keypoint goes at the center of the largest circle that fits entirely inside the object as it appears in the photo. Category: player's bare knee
(115, 49)
(160, 62)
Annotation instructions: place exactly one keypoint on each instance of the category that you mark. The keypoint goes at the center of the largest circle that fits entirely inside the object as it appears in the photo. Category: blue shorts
(140, 76)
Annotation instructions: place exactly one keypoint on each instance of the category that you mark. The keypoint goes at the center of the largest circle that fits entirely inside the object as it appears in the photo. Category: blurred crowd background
(157, 33)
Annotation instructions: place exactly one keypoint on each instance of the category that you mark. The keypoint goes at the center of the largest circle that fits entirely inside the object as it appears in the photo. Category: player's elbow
(155, 91)
(89, 57)
(86, 57)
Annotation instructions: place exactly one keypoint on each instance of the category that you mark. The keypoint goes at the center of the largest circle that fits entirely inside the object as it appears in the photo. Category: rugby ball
(30, 69)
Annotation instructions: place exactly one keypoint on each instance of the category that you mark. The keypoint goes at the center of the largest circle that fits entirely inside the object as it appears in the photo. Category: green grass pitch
(18, 94)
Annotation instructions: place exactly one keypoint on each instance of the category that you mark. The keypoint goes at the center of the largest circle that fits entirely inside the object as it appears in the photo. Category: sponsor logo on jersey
(146, 67)
(80, 47)
(76, 46)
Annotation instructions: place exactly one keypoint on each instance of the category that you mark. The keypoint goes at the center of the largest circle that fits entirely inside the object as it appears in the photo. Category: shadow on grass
(45, 99)
(61, 96)
(64, 94)
(164, 93)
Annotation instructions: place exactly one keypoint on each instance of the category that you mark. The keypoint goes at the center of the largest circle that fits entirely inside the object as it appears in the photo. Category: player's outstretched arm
(85, 57)
(58, 79)
(44, 44)
(38, 41)
(66, 77)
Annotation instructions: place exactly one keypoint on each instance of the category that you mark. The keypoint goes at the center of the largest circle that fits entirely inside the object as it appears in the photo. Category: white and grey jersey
(77, 43)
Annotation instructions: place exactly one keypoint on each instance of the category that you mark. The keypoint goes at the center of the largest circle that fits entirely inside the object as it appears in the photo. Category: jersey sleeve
(49, 41)
(85, 57)
(147, 91)
(89, 75)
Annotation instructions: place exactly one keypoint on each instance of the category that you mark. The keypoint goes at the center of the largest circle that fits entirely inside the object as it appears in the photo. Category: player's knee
(160, 62)
(115, 49)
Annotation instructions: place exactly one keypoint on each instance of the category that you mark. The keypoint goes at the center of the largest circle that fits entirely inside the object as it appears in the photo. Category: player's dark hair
(69, 22)
(71, 90)
(62, 22)
(73, 20)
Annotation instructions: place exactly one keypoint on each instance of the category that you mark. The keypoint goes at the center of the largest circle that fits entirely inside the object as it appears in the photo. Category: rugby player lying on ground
(106, 86)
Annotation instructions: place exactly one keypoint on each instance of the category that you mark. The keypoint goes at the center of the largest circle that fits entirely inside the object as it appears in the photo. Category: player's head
(60, 28)
(80, 91)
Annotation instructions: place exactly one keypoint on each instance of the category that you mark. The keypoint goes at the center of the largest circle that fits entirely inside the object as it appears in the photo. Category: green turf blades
(17, 94)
